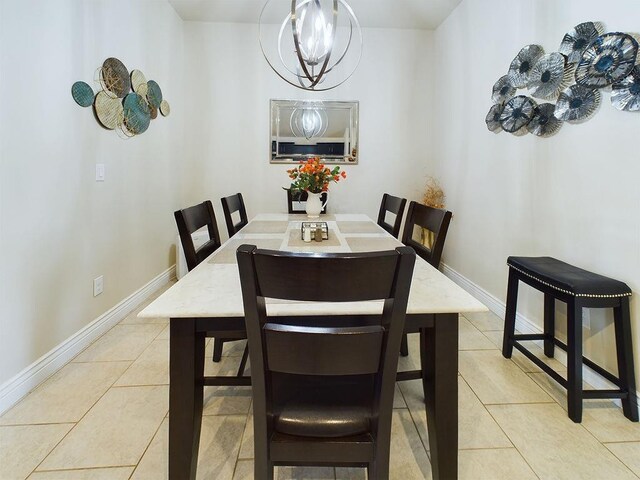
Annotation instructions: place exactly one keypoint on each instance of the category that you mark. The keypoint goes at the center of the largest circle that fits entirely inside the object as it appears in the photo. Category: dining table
(207, 302)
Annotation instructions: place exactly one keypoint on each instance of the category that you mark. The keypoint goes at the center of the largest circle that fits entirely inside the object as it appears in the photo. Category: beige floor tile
(607, 423)
(476, 427)
(115, 432)
(219, 445)
(495, 336)
(164, 334)
(495, 379)
(116, 473)
(352, 473)
(244, 471)
(554, 446)
(603, 418)
(225, 400)
(528, 366)
(408, 457)
(246, 448)
(22, 448)
(485, 321)
(470, 338)
(495, 464)
(151, 367)
(66, 396)
(628, 453)
(122, 342)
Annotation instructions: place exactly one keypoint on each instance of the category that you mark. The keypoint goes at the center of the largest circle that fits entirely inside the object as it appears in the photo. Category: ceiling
(417, 14)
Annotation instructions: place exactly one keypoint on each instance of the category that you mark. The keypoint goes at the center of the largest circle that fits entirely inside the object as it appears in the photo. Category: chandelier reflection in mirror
(318, 44)
(309, 122)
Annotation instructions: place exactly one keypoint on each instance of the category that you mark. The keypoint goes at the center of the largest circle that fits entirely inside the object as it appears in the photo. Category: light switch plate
(99, 172)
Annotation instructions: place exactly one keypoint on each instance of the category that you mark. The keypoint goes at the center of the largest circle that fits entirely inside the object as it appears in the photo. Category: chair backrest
(302, 196)
(188, 221)
(230, 205)
(325, 347)
(434, 219)
(396, 206)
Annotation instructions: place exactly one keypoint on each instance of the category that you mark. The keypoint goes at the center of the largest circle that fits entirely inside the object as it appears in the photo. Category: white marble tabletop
(212, 289)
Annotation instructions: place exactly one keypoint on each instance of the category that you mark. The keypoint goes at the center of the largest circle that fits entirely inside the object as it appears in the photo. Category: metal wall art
(588, 61)
(116, 106)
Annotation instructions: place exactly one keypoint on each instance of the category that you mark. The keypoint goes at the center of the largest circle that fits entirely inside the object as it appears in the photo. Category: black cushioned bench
(579, 289)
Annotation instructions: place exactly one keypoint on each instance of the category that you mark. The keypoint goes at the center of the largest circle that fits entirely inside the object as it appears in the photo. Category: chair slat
(323, 351)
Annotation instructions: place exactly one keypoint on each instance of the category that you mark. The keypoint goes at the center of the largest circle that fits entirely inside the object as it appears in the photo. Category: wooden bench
(579, 289)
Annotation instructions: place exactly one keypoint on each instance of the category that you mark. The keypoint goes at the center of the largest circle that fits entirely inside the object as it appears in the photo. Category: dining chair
(394, 205)
(188, 221)
(302, 197)
(231, 205)
(434, 220)
(192, 219)
(323, 386)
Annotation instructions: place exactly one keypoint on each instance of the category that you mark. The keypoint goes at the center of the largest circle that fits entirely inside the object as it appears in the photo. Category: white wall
(574, 196)
(59, 228)
(230, 85)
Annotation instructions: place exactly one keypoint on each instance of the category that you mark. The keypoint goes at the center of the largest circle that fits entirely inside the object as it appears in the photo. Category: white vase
(314, 205)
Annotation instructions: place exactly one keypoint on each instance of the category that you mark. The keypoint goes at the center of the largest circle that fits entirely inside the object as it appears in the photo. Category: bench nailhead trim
(590, 295)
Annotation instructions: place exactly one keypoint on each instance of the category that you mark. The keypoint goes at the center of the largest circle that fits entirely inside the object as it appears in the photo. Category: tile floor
(104, 417)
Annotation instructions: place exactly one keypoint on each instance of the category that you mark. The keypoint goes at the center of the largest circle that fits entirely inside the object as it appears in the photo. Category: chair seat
(323, 420)
(316, 409)
(567, 278)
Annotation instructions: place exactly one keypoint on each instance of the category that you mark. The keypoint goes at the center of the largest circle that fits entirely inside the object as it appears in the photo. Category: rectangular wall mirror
(311, 128)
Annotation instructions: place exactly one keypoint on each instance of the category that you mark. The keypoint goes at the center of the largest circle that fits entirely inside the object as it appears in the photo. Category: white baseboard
(524, 325)
(21, 384)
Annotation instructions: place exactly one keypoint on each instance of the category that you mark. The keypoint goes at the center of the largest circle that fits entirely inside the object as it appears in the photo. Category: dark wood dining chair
(231, 205)
(435, 220)
(323, 386)
(188, 221)
(394, 205)
(302, 197)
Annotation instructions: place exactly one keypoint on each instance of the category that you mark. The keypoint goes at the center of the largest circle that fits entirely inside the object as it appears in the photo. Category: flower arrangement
(313, 176)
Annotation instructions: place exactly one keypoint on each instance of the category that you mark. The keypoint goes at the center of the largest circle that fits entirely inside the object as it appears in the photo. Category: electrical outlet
(98, 285)
(100, 172)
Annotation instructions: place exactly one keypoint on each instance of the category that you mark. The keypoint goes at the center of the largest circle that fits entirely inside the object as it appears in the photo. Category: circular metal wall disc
(517, 113)
(154, 94)
(165, 109)
(136, 113)
(82, 93)
(108, 110)
(139, 82)
(114, 78)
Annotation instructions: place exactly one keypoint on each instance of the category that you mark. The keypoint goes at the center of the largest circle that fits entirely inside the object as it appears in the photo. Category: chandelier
(314, 44)
(309, 122)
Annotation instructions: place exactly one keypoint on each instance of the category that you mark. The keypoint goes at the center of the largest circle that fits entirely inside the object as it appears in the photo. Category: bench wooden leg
(574, 360)
(624, 352)
(510, 314)
(549, 324)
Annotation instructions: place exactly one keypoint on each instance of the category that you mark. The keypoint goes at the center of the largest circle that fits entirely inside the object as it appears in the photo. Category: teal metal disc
(136, 113)
(154, 94)
(82, 93)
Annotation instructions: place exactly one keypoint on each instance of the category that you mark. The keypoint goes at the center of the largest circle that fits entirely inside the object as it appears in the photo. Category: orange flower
(344, 174)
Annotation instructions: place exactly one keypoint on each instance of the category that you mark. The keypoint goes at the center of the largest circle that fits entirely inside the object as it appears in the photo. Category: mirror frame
(352, 108)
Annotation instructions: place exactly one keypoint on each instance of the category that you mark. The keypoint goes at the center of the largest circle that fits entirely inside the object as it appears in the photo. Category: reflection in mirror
(306, 128)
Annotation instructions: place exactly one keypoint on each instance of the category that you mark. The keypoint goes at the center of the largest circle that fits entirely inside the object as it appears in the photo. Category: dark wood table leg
(439, 356)
(186, 371)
